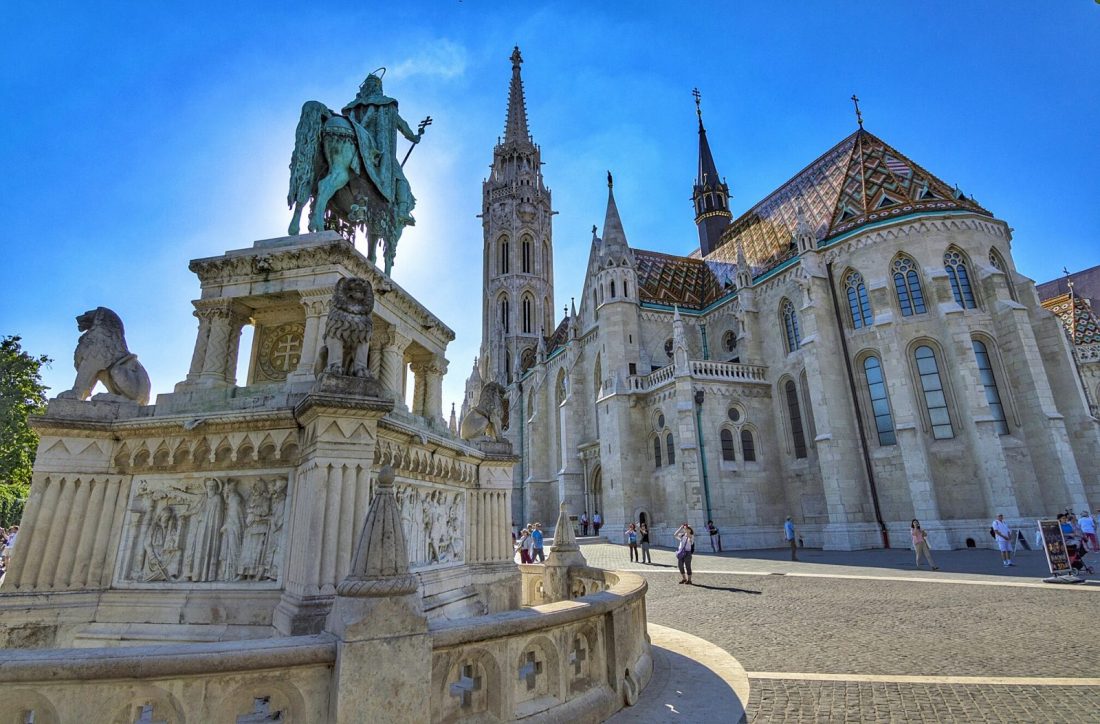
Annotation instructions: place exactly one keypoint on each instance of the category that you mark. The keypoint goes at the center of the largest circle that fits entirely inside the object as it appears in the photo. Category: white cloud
(439, 59)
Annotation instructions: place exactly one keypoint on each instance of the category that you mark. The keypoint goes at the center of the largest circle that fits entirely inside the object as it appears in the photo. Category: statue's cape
(367, 153)
(369, 101)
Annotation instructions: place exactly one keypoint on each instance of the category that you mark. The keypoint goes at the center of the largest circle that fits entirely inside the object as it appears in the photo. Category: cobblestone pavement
(869, 616)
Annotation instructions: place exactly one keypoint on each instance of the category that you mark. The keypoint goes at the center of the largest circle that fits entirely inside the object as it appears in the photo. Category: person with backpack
(632, 541)
(684, 551)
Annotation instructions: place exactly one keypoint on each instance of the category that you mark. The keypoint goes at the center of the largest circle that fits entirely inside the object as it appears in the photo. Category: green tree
(21, 394)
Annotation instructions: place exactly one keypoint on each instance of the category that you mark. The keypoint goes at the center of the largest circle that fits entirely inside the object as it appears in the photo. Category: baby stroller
(1076, 553)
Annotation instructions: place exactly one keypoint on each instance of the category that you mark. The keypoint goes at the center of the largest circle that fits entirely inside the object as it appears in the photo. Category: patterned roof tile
(1082, 326)
(682, 281)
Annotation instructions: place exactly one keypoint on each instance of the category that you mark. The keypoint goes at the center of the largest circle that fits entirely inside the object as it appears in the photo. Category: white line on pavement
(900, 679)
(920, 579)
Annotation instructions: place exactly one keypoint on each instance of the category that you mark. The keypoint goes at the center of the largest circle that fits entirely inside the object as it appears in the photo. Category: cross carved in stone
(530, 670)
(146, 716)
(578, 655)
(261, 712)
(466, 685)
(287, 353)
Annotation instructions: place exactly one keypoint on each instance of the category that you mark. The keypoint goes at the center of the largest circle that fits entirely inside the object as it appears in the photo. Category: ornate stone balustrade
(710, 370)
(702, 370)
(571, 660)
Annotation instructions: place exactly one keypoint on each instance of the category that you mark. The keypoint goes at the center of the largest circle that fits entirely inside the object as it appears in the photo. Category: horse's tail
(307, 147)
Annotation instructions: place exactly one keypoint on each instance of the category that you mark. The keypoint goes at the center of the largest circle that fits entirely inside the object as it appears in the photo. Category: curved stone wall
(576, 660)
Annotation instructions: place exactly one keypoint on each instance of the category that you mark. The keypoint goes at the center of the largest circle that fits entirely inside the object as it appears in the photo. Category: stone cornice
(263, 264)
(905, 228)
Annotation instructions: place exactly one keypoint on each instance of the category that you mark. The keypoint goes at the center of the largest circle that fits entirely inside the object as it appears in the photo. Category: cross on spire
(698, 109)
(859, 114)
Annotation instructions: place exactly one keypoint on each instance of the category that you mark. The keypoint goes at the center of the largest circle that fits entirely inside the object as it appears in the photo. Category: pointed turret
(744, 271)
(614, 251)
(710, 193)
(453, 424)
(515, 124)
(803, 234)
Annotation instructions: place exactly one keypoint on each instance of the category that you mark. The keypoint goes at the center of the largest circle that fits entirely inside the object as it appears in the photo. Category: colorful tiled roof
(1077, 317)
(683, 281)
(559, 337)
(859, 181)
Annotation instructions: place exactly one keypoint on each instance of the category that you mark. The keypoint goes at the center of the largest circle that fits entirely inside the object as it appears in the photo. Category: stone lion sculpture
(102, 356)
(485, 421)
(348, 329)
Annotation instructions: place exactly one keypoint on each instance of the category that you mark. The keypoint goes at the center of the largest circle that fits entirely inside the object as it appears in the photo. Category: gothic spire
(612, 226)
(710, 194)
(515, 125)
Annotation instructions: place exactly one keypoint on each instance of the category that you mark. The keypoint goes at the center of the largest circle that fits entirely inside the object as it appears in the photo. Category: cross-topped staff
(698, 97)
(419, 132)
(859, 115)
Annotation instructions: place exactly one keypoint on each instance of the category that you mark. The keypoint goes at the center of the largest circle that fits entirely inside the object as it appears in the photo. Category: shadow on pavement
(731, 589)
(684, 690)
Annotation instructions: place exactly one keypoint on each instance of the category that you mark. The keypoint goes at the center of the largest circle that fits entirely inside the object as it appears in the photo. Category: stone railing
(514, 665)
(710, 370)
(701, 370)
(579, 659)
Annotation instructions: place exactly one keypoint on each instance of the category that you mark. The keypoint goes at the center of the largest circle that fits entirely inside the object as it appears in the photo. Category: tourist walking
(1003, 535)
(712, 529)
(632, 541)
(1088, 530)
(684, 551)
(526, 543)
(536, 536)
(789, 536)
(597, 521)
(584, 523)
(9, 547)
(920, 544)
(644, 533)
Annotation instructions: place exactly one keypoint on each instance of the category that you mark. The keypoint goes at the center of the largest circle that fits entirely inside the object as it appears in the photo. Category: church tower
(518, 301)
(710, 194)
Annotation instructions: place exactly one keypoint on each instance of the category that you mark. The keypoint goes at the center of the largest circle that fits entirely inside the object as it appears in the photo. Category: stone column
(220, 321)
(330, 492)
(237, 320)
(433, 393)
(199, 355)
(420, 388)
(315, 308)
(393, 365)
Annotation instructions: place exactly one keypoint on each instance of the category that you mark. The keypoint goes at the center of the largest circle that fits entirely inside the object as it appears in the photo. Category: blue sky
(137, 136)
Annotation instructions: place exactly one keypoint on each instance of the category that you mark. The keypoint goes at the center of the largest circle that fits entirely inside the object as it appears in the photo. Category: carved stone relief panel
(279, 351)
(433, 520)
(226, 529)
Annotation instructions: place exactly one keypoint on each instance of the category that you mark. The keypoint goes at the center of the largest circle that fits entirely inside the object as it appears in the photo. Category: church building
(856, 350)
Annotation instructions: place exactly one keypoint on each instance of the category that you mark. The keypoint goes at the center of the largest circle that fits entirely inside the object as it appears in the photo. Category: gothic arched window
(748, 446)
(526, 244)
(503, 266)
(935, 397)
(798, 436)
(880, 403)
(670, 449)
(505, 322)
(955, 265)
(858, 303)
(790, 325)
(907, 286)
(989, 382)
(656, 451)
(528, 313)
(726, 438)
(998, 263)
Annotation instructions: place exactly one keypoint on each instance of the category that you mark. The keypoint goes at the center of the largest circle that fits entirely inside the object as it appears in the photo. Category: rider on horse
(375, 119)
